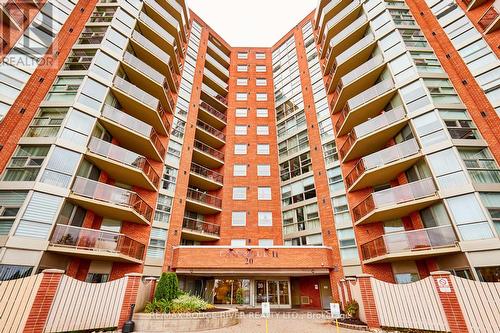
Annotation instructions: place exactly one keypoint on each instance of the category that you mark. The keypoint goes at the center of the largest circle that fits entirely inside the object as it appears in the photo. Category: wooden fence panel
(80, 305)
(480, 304)
(16, 299)
(415, 305)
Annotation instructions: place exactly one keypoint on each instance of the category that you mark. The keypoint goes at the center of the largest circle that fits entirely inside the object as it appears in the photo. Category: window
(242, 68)
(301, 218)
(263, 170)
(491, 200)
(260, 68)
(265, 219)
(240, 170)
(481, 165)
(240, 130)
(10, 202)
(97, 278)
(293, 144)
(156, 247)
(47, 122)
(262, 130)
(60, 167)
(260, 55)
(240, 149)
(266, 242)
(238, 219)
(296, 166)
(241, 96)
(242, 55)
(263, 149)
(241, 82)
(264, 193)
(299, 191)
(169, 178)
(241, 113)
(459, 124)
(347, 244)
(261, 97)
(64, 88)
(442, 91)
(469, 217)
(25, 163)
(163, 209)
(239, 193)
(238, 242)
(11, 272)
(402, 278)
(262, 113)
(261, 82)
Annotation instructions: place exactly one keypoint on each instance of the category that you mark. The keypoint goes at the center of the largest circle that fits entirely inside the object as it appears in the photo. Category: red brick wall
(307, 287)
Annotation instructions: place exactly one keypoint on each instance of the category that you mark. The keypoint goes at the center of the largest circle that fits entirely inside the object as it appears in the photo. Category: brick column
(369, 306)
(342, 294)
(43, 300)
(449, 301)
(133, 282)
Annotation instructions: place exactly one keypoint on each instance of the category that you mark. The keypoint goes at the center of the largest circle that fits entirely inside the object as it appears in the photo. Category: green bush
(351, 309)
(168, 287)
(188, 303)
(239, 296)
(158, 306)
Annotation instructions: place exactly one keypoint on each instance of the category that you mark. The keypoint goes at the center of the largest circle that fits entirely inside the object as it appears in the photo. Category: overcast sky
(252, 22)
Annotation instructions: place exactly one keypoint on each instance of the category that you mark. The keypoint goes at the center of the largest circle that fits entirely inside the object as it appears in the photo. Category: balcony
(210, 135)
(161, 16)
(215, 82)
(490, 21)
(200, 231)
(11, 12)
(110, 201)
(411, 245)
(122, 165)
(373, 134)
(339, 22)
(176, 10)
(211, 115)
(159, 37)
(148, 79)
(95, 244)
(299, 229)
(217, 54)
(205, 155)
(215, 67)
(364, 106)
(471, 4)
(132, 133)
(153, 56)
(358, 80)
(383, 166)
(202, 202)
(329, 11)
(205, 178)
(396, 202)
(345, 39)
(213, 98)
(139, 104)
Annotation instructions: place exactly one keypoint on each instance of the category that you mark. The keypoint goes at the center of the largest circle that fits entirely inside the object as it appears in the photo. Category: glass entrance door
(284, 297)
(276, 292)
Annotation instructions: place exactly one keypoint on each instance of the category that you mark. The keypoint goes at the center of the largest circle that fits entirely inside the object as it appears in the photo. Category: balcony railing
(144, 68)
(121, 155)
(410, 241)
(207, 128)
(213, 111)
(217, 65)
(209, 91)
(135, 125)
(394, 196)
(381, 158)
(207, 173)
(14, 11)
(150, 46)
(359, 71)
(370, 93)
(344, 34)
(209, 150)
(355, 48)
(379, 122)
(489, 17)
(340, 16)
(205, 198)
(158, 29)
(201, 226)
(221, 54)
(136, 92)
(111, 194)
(309, 225)
(96, 240)
(215, 79)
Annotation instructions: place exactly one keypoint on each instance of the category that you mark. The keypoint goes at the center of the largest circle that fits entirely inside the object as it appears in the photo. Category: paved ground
(284, 323)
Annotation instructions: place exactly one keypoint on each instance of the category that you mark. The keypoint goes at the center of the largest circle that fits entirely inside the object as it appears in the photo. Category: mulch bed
(352, 323)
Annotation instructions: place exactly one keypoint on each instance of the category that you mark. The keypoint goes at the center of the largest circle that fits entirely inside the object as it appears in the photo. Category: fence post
(153, 287)
(341, 293)
(348, 284)
(43, 301)
(370, 308)
(130, 297)
(449, 301)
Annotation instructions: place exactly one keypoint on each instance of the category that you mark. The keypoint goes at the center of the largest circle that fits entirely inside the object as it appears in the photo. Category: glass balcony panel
(136, 92)
(391, 154)
(205, 198)
(207, 173)
(371, 93)
(381, 121)
(201, 226)
(143, 67)
(209, 150)
(213, 111)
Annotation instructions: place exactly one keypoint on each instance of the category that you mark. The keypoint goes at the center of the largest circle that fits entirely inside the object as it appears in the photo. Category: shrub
(239, 296)
(168, 287)
(188, 303)
(351, 309)
(158, 306)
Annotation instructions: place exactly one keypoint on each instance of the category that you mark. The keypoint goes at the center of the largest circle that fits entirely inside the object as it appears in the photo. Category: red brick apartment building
(135, 139)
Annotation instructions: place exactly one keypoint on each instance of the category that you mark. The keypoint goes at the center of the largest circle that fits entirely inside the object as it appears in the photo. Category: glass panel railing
(207, 128)
(326, 10)
(14, 12)
(359, 71)
(209, 150)
(355, 48)
(340, 16)
(111, 195)
(122, 155)
(217, 65)
(204, 198)
(381, 158)
(408, 241)
(394, 196)
(136, 92)
(150, 46)
(209, 91)
(144, 68)
(207, 173)
(200, 226)
(370, 94)
(215, 79)
(490, 16)
(218, 51)
(96, 240)
(356, 24)
(213, 111)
